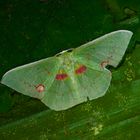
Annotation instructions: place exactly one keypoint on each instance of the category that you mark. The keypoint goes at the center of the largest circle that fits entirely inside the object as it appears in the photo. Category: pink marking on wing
(81, 69)
(104, 63)
(61, 76)
(40, 88)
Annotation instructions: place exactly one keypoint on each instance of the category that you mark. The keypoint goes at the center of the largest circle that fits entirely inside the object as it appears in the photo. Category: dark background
(34, 29)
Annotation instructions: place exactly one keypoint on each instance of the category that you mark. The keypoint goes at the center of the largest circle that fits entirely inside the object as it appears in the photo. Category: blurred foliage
(35, 29)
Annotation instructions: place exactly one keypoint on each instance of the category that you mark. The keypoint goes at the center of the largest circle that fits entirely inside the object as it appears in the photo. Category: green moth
(73, 76)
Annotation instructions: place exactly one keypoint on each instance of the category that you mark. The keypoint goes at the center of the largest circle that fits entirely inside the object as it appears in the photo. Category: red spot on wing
(61, 76)
(81, 69)
(104, 63)
(40, 88)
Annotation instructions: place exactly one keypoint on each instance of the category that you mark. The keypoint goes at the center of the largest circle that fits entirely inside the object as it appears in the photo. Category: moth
(73, 76)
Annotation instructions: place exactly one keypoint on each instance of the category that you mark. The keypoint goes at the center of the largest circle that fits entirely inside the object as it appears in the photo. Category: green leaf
(31, 30)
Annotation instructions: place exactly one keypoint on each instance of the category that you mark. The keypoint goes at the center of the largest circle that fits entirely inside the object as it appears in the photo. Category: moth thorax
(67, 63)
(67, 60)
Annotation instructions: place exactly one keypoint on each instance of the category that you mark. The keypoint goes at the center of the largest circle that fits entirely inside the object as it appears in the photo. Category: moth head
(64, 52)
